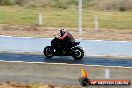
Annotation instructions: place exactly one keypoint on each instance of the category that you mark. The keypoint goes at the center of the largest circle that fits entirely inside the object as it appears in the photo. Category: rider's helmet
(62, 32)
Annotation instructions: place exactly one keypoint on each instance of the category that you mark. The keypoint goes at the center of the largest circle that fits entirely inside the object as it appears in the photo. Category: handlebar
(56, 36)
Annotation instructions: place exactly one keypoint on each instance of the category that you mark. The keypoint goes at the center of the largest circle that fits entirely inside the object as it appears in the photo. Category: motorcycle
(55, 49)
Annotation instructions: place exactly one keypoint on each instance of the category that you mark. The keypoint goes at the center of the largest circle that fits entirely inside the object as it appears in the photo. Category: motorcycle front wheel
(48, 51)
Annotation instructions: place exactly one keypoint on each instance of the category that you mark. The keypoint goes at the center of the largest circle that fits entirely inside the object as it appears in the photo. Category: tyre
(85, 82)
(78, 53)
(48, 51)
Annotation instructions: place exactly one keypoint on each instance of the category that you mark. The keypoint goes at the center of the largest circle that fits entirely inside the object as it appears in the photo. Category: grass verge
(55, 17)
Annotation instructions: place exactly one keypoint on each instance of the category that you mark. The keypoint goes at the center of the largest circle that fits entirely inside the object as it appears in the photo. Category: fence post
(80, 18)
(96, 23)
(107, 74)
(40, 19)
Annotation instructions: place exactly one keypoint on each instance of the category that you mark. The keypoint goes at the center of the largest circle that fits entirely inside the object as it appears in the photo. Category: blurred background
(112, 16)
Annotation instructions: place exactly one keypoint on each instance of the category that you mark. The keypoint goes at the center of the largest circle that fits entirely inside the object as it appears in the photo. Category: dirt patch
(40, 31)
(19, 85)
(13, 85)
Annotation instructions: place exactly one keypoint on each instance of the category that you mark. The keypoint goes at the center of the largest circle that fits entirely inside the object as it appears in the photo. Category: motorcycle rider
(67, 39)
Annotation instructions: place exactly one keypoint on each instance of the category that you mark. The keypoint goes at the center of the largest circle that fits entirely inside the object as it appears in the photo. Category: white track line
(106, 40)
(5, 36)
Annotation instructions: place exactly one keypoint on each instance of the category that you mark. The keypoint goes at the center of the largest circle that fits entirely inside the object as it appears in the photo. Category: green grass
(55, 17)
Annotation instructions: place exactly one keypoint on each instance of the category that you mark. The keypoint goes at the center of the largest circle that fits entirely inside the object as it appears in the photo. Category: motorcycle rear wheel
(78, 53)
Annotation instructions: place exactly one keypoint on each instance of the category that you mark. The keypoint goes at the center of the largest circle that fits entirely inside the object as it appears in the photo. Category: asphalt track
(92, 48)
(69, 60)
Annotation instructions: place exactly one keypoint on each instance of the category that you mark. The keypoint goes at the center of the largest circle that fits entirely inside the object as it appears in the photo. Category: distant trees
(14, 2)
(121, 5)
(7, 2)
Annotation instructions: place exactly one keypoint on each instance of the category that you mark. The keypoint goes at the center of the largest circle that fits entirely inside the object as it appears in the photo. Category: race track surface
(69, 60)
